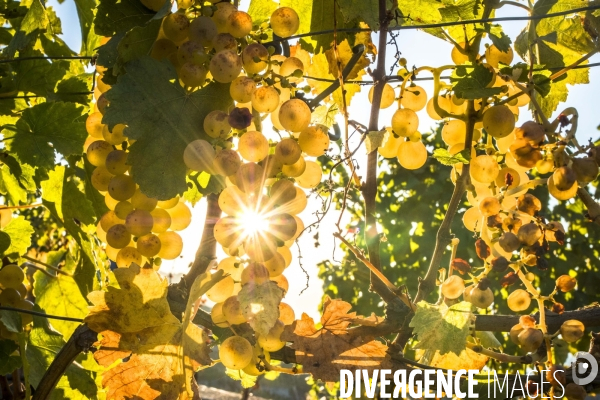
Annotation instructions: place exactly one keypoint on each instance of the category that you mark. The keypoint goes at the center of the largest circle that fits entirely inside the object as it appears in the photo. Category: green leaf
(95, 197)
(4, 242)
(245, 379)
(114, 16)
(60, 295)
(89, 39)
(10, 187)
(107, 53)
(43, 345)
(34, 21)
(32, 76)
(45, 130)
(260, 305)
(74, 89)
(9, 361)
(444, 157)
(440, 328)
(558, 90)
(163, 118)
(374, 140)
(474, 84)
(61, 195)
(366, 11)
(498, 37)
(261, 10)
(20, 232)
(11, 321)
(136, 44)
(421, 11)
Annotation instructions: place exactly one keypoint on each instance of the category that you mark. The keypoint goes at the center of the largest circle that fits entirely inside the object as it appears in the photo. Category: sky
(420, 49)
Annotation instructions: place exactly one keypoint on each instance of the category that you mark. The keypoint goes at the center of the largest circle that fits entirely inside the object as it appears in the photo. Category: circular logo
(584, 372)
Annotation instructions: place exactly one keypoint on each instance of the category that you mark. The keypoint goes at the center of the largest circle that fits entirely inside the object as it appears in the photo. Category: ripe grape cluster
(137, 228)
(265, 173)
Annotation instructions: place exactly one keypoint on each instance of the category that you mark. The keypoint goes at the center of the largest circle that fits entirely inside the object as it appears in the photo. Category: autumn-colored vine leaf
(135, 322)
(260, 305)
(325, 351)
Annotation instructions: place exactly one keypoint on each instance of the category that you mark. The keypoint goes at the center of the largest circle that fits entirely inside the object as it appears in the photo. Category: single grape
(294, 116)
(388, 96)
(10, 297)
(276, 265)
(116, 162)
(296, 169)
(260, 249)
(282, 226)
(412, 155)
(514, 333)
(282, 192)
(199, 155)
(221, 290)
(314, 141)
(566, 283)
(171, 245)
(509, 242)
(252, 368)
(290, 67)
(149, 245)
(564, 178)
(11, 276)
(109, 219)
(489, 206)
(216, 124)
(287, 255)
(390, 146)
(519, 300)
(26, 319)
(203, 30)
(191, 52)
(217, 317)
(414, 98)
(142, 202)
(232, 266)
(405, 122)
(586, 169)
(127, 256)
(529, 234)
(225, 66)
(285, 22)
(193, 75)
(239, 24)
(166, 204)
(94, 126)
(453, 287)
(272, 341)
(484, 168)
(121, 187)
(531, 131)
(224, 41)
(161, 219)
(253, 146)
(482, 298)
(97, 152)
(286, 313)
(575, 392)
(250, 177)
(100, 179)
(499, 121)
(530, 339)
(123, 209)
(114, 137)
(241, 89)
(139, 222)
(458, 57)
(221, 16)
(495, 56)
(181, 216)
(254, 58)
(255, 273)
(265, 99)
(572, 330)
(227, 162)
(310, 178)
(232, 308)
(235, 352)
(288, 151)
(561, 194)
(118, 237)
(228, 232)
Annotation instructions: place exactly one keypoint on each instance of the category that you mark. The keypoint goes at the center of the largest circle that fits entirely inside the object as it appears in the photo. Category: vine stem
(591, 205)
(375, 271)
(22, 350)
(498, 356)
(369, 189)
(52, 267)
(21, 207)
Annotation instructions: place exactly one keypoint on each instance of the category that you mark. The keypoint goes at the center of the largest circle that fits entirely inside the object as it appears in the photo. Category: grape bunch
(137, 228)
(266, 170)
(13, 294)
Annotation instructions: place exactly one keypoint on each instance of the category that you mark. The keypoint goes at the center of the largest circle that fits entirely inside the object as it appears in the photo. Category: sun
(253, 223)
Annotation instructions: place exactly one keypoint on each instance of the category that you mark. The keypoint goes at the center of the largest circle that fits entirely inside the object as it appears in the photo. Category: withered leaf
(324, 352)
(136, 324)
